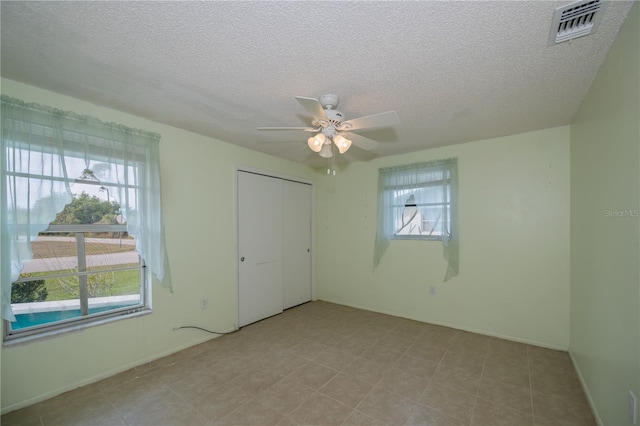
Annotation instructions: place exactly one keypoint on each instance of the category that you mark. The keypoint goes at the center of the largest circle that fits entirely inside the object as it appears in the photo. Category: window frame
(83, 321)
(391, 209)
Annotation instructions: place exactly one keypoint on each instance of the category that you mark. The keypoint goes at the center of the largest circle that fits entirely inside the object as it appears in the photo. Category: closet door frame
(271, 174)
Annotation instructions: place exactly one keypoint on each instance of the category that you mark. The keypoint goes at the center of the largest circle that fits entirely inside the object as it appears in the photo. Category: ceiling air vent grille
(575, 20)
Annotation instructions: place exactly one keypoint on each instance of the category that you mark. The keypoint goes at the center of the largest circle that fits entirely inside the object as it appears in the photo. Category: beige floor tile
(500, 393)
(467, 361)
(363, 368)
(471, 342)
(386, 407)
(402, 383)
(426, 351)
(28, 416)
(285, 396)
(449, 402)
(164, 408)
(320, 410)
(514, 373)
(438, 336)
(346, 389)
(423, 415)
(382, 354)
(230, 368)
(555, 383)
(395, 342)
(409, 328)
(569, 409)
(217, 402)
(74, 399)
(172, 373)
(252, 413)
(307, 349)
(356, 344)
(282, 362)
(194, 383)
(334, 358)
(459, 379)
(356, 418)
(313, 375)
(501, 347)
(490, 414)
(95, 413)
(134, 392)
(417, 366)
(256, 380)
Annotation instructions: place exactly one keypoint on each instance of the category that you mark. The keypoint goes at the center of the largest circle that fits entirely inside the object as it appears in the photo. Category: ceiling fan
(331, 128)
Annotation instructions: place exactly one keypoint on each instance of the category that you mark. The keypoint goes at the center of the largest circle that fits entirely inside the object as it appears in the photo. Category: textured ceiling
(454, 71)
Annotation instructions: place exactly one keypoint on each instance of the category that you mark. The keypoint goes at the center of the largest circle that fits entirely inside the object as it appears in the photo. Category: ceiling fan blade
(363, 142)
(383, 119)
(313, 106)
(306, 129)
(356, 153)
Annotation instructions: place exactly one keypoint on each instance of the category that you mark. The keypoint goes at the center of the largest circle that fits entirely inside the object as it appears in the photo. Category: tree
(28, 291)
(87, 209)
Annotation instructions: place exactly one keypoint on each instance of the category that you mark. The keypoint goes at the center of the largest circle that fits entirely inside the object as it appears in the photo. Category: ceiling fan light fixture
(342, 143)
(326, 151)
(316, 142)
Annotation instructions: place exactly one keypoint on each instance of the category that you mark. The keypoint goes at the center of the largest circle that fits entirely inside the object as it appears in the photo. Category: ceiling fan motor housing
(329, 101)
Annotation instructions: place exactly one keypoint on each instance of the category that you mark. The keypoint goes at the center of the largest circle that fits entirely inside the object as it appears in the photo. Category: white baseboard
(455, 326)
(94, 379)
(592, 405)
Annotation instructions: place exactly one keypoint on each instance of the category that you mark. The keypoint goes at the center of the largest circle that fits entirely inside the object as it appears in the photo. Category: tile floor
(327, 364)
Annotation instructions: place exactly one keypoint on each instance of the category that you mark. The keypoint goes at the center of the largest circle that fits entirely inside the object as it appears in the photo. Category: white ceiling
(454, 71)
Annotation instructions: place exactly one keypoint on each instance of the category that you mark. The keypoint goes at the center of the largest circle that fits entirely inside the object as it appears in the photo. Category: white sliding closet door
(296, 243)
(260, 247)
(274, 242)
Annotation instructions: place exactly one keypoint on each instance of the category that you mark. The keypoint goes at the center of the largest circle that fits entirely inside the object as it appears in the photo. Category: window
(419, 202)
(84, 267)
(81, 220)
(427, 219)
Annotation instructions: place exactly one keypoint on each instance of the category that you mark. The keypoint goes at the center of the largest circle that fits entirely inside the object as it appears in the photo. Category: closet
(274, 245)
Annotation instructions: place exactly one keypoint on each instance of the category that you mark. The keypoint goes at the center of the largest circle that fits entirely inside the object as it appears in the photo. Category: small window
(418, 202)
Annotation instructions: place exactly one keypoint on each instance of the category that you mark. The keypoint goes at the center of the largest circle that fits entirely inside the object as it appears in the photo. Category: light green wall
(514, 239)
(605, 182)
(199, 211)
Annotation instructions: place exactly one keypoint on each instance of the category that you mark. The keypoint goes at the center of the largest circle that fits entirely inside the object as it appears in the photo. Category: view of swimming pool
(37, 318)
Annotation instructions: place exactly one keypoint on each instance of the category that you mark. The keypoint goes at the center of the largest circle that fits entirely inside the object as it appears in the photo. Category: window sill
(17, 340)
(416, 238)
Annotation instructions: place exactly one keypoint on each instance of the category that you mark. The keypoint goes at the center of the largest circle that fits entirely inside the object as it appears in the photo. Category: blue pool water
(38, 318)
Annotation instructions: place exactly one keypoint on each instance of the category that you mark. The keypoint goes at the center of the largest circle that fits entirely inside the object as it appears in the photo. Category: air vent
(575, 20)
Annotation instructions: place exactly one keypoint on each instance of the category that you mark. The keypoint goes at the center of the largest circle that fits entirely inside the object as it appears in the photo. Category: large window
(419, 201)
(81, 220)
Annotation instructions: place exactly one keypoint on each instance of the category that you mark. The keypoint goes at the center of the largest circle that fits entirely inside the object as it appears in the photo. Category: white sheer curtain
(434, 188)
(44, 151)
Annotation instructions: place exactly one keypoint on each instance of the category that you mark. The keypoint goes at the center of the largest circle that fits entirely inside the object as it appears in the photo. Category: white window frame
(85, 319)
(392, 211)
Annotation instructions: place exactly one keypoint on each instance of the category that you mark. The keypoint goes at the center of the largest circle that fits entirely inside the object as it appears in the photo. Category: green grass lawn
(124, 282)
(105, 284)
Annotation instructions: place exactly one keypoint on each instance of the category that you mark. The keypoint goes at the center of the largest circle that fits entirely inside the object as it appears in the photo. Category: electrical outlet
(433, 290)
(204, 303)
(633, 408)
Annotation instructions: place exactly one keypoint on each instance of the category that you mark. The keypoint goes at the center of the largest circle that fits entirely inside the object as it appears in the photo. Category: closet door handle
(242, 259)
